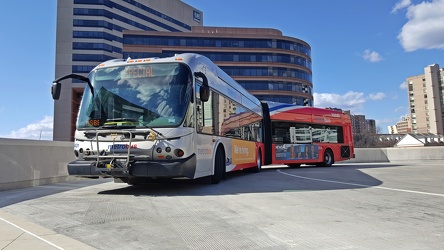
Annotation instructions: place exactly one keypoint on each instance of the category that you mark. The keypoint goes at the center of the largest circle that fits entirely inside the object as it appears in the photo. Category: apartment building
(360, 125)
(426, 101)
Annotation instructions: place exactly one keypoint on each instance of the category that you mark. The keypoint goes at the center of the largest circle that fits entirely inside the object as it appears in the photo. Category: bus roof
(217, 78)
(304, 114)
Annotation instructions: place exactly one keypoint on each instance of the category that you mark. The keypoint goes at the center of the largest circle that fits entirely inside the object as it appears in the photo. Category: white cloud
(424, 27)
(403, 85)
(401, 5)
(371, 56)
(40, 130)
(377, 96)
(352, 101)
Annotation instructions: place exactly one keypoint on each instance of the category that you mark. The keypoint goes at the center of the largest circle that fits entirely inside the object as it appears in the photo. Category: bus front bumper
(153, 169)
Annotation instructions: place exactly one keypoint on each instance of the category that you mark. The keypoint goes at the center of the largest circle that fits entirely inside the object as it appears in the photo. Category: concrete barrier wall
(364, 155)
(416, 154)
(26, 163)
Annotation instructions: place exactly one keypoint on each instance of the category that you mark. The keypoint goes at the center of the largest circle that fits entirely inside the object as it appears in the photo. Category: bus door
(205, 137)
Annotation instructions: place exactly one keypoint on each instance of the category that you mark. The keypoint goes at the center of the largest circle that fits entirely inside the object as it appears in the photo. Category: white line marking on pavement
(36, 236)
(360, 185)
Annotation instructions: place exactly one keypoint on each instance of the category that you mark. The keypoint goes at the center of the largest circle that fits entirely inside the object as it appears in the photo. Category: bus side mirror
(204, 89)
(204, 93)
(55, 90)
(56, 85)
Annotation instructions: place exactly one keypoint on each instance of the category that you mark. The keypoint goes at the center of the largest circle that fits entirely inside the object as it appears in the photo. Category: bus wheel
(258, 168)
(328, 159)
(219, 167)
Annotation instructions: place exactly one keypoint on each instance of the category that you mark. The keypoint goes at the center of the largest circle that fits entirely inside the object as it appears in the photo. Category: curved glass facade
(269, 85)
(234, 57)
(286, 99)
(234, 71)
(273, 68)
(218, 42)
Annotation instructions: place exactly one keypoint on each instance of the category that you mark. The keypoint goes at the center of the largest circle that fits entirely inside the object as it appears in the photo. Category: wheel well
(260, 156)
(332, 154)
(222, 148)
(224, 156)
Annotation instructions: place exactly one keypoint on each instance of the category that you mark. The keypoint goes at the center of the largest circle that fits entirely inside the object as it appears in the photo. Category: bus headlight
(179, 152)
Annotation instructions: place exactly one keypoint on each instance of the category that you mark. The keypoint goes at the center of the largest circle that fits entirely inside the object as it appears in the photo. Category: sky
(362, 52)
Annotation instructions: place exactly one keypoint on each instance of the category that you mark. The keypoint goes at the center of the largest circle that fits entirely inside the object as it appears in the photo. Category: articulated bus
(164, 118)
(306, 135)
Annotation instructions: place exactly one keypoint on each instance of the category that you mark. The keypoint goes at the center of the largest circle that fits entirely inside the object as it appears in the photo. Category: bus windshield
(141, 95)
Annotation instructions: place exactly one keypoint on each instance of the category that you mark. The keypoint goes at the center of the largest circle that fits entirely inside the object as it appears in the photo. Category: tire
(258, 168)
(219, 167)
(328, 159)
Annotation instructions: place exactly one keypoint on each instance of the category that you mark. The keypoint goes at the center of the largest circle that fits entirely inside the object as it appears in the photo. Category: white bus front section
(137, 153)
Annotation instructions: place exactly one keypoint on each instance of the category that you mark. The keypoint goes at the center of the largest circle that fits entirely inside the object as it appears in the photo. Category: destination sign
(139, 72)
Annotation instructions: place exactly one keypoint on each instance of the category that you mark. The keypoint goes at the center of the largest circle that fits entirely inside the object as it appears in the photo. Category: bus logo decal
(204, 151)
(121, 146)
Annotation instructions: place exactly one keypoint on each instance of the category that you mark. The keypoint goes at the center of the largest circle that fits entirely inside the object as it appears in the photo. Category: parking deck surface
(348, 206)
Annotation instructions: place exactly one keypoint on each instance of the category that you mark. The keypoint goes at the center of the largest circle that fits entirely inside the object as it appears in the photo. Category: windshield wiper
(121, 120)
(157, 132)
(118, 126)
(121, 123)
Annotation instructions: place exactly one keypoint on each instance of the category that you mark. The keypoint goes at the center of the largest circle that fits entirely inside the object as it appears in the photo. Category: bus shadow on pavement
(271, 179)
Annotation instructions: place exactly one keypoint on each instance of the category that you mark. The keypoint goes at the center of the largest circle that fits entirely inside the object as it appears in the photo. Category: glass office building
(271, 66)
(91, 31)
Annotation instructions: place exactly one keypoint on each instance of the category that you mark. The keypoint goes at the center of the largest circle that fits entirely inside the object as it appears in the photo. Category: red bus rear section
(307, 135)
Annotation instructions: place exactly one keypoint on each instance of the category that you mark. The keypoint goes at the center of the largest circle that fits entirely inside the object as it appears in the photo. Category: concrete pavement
(17, 233)
(349, 206)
